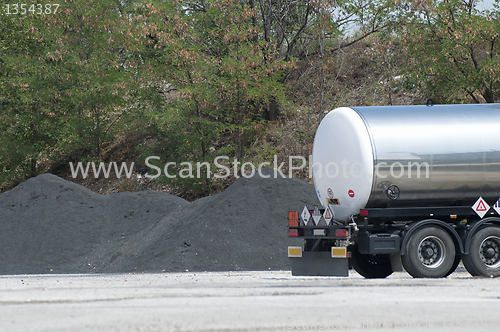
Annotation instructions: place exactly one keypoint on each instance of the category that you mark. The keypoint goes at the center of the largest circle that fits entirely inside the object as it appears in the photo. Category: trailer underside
(429, 242)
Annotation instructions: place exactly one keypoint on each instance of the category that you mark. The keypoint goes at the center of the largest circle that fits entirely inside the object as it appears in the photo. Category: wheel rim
(431, 252)
(489, 252)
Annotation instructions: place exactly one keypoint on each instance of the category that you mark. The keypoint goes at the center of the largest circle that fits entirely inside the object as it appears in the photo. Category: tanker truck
(413, 187)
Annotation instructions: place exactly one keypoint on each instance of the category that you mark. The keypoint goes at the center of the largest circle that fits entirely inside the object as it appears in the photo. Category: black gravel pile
(50, 225)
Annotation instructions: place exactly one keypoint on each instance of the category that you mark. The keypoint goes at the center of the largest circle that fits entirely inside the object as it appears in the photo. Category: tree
(209, 53)
(65, 79)
(317, 37)
(220, 66)
(453, 48)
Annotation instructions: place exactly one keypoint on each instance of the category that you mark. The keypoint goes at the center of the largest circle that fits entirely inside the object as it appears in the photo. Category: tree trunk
(488, 96)
(33, 168)
(33, 159)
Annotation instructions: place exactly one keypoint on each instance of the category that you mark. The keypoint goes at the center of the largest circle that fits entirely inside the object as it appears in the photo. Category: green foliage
(453, 48)
(212, 58)
(203, 77)
(65, 78)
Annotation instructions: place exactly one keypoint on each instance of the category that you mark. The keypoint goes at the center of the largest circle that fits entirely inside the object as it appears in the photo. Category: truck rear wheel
(454, 266)
(484, 253)
(370, 266)
(430, 253)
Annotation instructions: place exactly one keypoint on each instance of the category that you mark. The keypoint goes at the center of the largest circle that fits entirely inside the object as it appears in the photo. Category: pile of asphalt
(50, 225)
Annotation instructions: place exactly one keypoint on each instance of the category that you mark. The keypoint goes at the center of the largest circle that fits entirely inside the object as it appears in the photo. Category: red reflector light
(341, 232)
(293, 232)
(363, 213)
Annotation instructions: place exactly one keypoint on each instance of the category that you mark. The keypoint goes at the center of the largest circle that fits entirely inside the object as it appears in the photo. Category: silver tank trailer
(407, 156)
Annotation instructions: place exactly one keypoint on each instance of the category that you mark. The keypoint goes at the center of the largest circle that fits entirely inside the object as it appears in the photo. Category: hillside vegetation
(192, 81)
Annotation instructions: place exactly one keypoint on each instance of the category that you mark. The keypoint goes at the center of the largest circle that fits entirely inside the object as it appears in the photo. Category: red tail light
(341, 232)
(363, 213)
(293, 232)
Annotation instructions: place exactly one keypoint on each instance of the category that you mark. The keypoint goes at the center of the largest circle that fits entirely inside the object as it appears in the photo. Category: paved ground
(247, 301)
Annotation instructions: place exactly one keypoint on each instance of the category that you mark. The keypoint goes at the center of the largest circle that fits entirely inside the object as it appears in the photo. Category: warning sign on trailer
(305, 215)
(316, 215)
(496, 207)
(328, 215)
(481, 207)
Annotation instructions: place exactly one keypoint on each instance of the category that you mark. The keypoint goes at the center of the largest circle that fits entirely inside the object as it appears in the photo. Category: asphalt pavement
(246, 301)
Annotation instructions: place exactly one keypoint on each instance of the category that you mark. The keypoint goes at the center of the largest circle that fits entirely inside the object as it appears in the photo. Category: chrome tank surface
(421, 156)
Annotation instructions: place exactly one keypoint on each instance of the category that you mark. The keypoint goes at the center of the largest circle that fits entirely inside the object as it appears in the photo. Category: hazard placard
(305, 215)
(496, 207)
(328, 215)
(480, 207)
(316, 216)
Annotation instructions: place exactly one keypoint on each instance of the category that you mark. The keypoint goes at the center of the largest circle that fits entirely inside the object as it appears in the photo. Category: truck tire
(484, 253)
(430, 253)
(370, 266)
(454, 266)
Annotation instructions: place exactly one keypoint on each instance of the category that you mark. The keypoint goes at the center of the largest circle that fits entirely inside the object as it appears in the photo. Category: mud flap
(319, 263)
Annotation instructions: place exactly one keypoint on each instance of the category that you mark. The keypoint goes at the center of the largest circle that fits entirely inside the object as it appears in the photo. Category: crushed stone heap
(50, 225)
